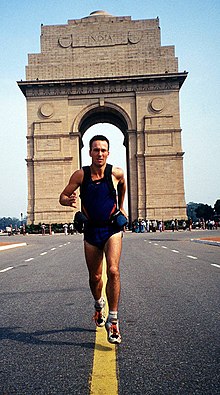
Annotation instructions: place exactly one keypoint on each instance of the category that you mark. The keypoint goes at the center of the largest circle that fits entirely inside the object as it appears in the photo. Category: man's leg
(113, 254)
(94, 259)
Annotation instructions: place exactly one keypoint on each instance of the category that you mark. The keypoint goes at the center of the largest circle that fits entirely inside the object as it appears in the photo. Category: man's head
(99, 150)
(98, 137)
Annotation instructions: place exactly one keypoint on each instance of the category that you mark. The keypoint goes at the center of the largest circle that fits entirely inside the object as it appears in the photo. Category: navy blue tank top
(98, 201)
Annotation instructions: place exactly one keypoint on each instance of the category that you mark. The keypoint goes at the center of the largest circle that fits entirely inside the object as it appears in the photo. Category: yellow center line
(104, 378)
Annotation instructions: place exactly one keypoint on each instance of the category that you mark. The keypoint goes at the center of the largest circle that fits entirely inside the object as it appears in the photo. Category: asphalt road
(169, 316)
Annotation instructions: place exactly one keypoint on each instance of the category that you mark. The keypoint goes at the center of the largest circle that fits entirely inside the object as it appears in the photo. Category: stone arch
(108, 113)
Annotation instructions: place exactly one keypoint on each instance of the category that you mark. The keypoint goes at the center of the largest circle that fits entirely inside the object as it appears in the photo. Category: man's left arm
(121, 189)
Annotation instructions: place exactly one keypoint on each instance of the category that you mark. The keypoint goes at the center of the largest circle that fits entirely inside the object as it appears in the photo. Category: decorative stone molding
(157, 104)
(46, 110)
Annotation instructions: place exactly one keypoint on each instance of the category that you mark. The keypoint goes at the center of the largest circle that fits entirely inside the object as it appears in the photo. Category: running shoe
(99, 316)
(113, 334)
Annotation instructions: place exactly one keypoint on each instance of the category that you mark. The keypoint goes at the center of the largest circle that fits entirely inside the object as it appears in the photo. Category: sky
(192, 26)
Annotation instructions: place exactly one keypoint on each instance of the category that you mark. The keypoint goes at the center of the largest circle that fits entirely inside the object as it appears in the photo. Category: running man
(99, 202)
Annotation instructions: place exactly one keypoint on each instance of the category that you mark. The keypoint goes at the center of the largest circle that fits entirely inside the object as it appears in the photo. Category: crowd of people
(209, 224)
(138, 226)
(145, 225)
(141, 225)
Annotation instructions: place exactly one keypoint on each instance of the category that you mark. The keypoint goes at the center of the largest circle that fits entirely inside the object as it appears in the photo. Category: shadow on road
(13, 333)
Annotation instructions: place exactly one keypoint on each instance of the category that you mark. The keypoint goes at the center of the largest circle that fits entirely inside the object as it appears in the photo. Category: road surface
(169, 318)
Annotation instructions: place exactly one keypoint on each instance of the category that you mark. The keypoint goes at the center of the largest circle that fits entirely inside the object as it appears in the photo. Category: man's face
(99, 152)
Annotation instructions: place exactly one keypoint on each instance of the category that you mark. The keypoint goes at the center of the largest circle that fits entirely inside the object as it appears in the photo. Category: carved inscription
(98, 39)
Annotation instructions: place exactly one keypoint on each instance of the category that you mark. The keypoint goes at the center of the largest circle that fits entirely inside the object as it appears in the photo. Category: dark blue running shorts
(97, 236)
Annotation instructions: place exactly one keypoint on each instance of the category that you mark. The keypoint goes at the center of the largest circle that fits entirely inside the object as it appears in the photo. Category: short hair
(98, 137)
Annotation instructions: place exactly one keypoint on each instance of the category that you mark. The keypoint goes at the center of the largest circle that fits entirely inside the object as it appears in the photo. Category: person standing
(65, 227)
(154, 226)
(99, 202)
(43, 227)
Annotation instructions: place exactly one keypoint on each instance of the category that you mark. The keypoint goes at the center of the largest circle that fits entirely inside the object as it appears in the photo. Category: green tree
(191, 211)
(217, 207)
(205, 211)
(7, 221)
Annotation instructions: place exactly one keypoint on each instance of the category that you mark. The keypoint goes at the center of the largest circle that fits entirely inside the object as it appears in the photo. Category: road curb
(9, 246)
(210, 242)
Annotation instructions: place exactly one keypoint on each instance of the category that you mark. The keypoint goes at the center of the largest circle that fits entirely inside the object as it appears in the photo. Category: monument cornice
(160, 155)
(52, 160)
(102, 85)
(162, 131)
(48, 135)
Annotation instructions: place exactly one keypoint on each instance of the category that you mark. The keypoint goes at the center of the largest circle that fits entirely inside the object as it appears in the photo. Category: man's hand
(68, 196)
(72, 200)
(124, 212)
(68, 200)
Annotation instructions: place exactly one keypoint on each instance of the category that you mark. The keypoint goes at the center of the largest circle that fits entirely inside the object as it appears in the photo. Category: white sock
(99, 304)
(112, 316)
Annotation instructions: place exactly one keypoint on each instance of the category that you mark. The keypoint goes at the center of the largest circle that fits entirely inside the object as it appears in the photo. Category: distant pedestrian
(154, 226)
(65, 227)
(142, 226)
(184, 225)
(190, 224)
(176, 224)
(71, 229)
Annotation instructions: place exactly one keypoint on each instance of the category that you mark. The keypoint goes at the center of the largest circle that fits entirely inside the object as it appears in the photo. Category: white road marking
(6, 269)
(149, 242)
(31, 259)
(164, 247)
(214, 264)
(155, 244)
(177, 252)
(192, 257)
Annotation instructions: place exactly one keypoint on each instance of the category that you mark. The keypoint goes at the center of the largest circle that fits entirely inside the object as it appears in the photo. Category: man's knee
(113, 272)
(95, 278)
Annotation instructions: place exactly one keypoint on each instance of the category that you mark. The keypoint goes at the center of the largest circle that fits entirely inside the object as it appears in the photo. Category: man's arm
(121, 187)
(68, 196)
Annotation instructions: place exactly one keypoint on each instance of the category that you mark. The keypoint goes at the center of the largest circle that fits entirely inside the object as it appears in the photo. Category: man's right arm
(68, 196)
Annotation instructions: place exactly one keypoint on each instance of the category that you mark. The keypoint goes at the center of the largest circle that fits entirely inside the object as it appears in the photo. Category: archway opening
(117, 149)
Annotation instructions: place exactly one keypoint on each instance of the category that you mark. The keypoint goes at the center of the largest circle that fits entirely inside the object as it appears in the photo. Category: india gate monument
(104, 69)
